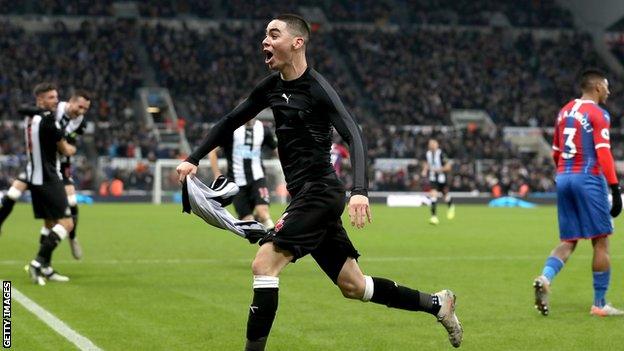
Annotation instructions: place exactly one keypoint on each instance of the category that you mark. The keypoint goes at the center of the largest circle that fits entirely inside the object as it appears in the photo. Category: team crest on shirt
(280, 222)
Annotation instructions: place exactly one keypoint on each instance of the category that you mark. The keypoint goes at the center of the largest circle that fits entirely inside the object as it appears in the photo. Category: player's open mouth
(267, 56)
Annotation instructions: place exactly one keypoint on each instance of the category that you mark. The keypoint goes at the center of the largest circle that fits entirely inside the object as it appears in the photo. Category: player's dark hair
(297, 24)
(43, 88)
(82, 93)
(588, 78)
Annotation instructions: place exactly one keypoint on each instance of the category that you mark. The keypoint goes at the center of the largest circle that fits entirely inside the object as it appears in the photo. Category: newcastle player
(306, 108)
(243, 151)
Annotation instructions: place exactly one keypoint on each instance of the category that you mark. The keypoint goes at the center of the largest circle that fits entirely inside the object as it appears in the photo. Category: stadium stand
(210, 72)
(519, 80)
(389, 76)
(57, 7)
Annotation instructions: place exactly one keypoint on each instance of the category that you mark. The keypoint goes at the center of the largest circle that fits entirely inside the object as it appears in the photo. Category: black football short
(250, 196)
(440, 186)
(49, 201)
(66, 173)
(311, 225)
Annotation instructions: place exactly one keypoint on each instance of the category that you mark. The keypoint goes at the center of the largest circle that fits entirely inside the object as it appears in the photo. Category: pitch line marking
(53, 322)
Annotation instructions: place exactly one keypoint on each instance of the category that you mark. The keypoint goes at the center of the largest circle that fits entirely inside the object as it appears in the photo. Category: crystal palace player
(581, 151)
(306, 107)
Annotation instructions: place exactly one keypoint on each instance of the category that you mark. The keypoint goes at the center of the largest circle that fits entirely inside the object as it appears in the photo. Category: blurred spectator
(58, 7)
(481, 160)
(521, 81)
(207, 81)
(405, 75)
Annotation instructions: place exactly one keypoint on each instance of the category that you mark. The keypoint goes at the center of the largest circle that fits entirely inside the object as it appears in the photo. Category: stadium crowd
(385, 77)
(208, 80)
(481, 160)
(509, 176)
(99, 57)
(545, 13)
(519, 80)
(58, 7)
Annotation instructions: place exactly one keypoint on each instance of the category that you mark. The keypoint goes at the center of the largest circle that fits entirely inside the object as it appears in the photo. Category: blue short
(583, 207)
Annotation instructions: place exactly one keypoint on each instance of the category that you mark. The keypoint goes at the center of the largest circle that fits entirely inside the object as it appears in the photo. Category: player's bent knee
(264, 265)
(270, 260)
(258, 266)
(350, 288)
(350, 291)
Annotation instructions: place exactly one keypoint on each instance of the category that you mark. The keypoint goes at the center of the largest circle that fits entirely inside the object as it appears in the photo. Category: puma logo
(286, 97)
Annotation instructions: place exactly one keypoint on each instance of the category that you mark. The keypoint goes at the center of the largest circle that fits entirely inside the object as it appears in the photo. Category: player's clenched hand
(184, 169)
(359, 211)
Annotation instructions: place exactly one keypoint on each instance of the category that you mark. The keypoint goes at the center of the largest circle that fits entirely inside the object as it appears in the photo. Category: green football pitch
(153, 278)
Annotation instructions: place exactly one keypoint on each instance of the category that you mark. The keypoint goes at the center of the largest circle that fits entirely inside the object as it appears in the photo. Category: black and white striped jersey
(436, 159)
(68, 125)
(41, 133)
(244, 150)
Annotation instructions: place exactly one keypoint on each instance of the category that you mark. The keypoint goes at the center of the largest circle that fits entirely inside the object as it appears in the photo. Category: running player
(436, 168)
(306, 108)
